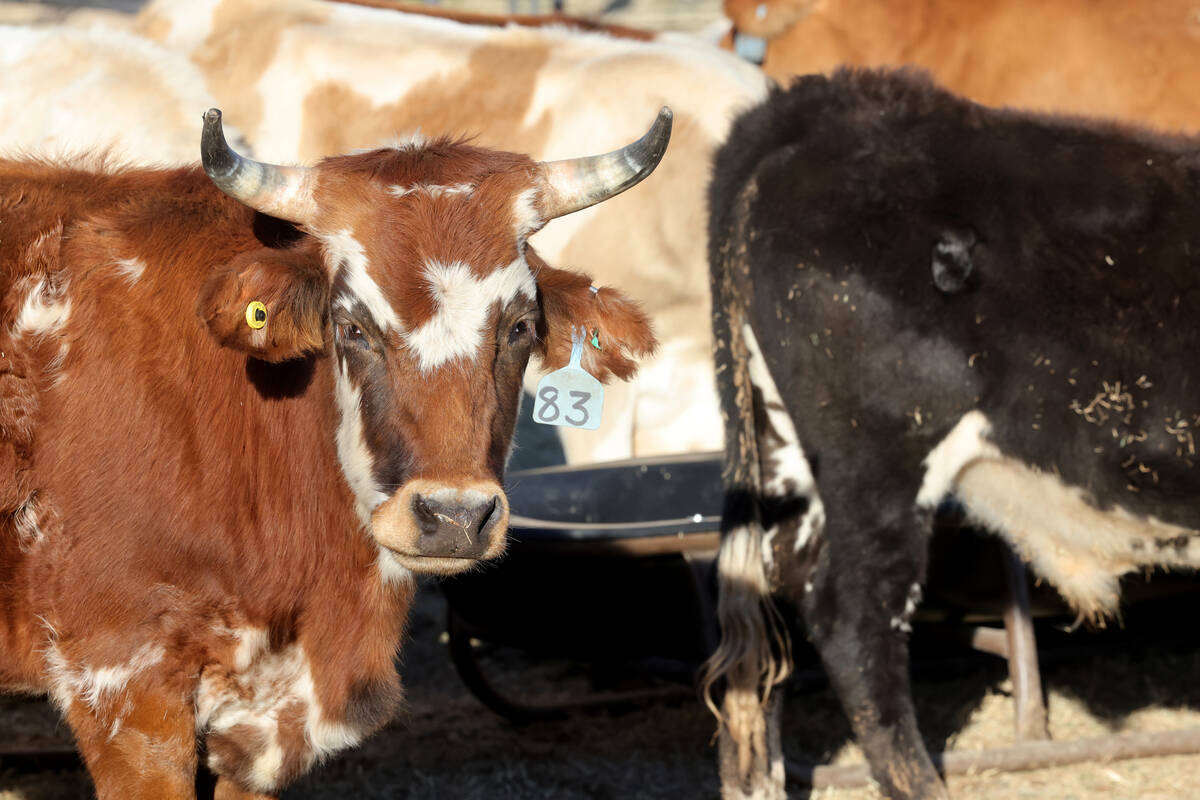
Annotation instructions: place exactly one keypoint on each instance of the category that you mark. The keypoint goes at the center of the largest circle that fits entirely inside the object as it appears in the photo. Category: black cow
(918, 300)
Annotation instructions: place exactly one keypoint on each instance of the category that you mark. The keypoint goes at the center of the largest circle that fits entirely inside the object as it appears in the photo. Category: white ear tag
(570, 396)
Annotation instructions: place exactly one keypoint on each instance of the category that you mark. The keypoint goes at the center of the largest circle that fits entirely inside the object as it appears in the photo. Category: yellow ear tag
(256, 314)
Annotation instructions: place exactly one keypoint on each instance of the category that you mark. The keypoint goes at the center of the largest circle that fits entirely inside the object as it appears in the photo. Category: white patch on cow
(432, 189)
(131, 268)
(462, 304)
(257, 696)
(44, 311)
(903, 621)
(251, 642)
(27, 523)
(526, 219)
(343, 250)
(391, 571)
(791, 475)
(265, 770)
(96, 686)
(967, 442)
(324, 735)
(353, 454)
(1055, 527)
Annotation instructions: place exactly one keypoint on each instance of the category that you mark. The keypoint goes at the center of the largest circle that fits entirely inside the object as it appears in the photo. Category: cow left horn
(576, 183)
(283, 192)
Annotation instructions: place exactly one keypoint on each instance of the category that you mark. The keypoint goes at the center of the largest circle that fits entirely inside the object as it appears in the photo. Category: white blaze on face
(357, 463)
(462, 303)
(343, 251)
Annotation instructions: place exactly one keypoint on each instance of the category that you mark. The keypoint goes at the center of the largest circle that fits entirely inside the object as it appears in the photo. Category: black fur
(1065, 254)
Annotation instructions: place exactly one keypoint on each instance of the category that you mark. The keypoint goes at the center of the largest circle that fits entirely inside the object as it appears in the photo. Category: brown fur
(622, 328)
(1121, 58)
(293, 286)
(178, 533)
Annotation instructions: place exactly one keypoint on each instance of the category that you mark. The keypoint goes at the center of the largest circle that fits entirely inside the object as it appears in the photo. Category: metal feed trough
(611, 565)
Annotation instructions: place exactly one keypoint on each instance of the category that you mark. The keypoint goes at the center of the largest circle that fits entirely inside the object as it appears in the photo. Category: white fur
(256, 695)
(788, 460)
(526, 215)
(432, 189)
(341, 248)
(391, 571)
(27, 522)
(463, 302)
(131, 268)
(357, 463)
(967, 442)
(43, 312)
(96, 686)
(1054, 526)
(251, 642)
(903, 621)
(53, 75)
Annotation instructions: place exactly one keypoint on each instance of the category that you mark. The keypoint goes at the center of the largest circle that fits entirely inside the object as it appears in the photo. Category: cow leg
(137, 746)
(228, 790)
(857, 602)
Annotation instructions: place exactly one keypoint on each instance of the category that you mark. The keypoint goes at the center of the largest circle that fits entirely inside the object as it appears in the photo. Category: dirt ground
(449, 746)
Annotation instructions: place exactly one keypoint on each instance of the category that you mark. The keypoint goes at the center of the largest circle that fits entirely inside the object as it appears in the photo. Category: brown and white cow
(308, 79)
(235, 426)
(1130, 59)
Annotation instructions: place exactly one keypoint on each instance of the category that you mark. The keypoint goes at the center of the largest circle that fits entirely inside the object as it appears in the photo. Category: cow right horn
(576, 183)
(283, 192)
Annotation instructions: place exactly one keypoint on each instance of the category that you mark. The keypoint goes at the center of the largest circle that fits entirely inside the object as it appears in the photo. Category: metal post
(1030, 711)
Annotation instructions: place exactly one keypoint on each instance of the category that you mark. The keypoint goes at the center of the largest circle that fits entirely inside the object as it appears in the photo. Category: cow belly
(1081, 549)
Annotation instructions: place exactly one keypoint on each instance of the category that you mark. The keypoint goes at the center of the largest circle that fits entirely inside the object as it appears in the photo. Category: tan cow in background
(1130, 59)
(305, 79)
(70, 83)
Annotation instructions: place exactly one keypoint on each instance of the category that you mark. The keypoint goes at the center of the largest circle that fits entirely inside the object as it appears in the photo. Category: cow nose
(455, 529)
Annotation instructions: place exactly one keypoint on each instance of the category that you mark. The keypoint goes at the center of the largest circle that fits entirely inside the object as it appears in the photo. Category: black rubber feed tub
(607, 564)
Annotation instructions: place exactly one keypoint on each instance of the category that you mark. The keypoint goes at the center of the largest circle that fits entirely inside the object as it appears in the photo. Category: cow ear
(270, 304)
(617, 330)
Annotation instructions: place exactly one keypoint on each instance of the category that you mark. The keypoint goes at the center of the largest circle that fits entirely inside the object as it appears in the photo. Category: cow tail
(754, 652)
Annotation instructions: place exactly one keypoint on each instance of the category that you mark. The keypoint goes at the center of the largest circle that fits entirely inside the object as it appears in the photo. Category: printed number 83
(549, 411)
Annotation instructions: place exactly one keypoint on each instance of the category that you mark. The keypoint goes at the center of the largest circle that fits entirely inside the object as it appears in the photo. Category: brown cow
(232, 440)
(1130, 59)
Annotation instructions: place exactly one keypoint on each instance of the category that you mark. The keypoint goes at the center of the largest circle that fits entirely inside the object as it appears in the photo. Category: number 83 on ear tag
(570, 396)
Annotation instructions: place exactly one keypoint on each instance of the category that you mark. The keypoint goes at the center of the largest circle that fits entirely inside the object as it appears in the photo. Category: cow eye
(350, 333)
(521, 330)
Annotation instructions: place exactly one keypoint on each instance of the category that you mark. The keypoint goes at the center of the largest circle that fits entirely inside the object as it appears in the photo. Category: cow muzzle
(438, 529)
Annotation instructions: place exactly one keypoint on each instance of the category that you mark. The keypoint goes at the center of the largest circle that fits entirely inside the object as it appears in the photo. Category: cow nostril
(427, 517)
(489, 516)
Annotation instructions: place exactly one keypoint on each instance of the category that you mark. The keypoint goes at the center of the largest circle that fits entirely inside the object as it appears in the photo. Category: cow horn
(283, 192)
(576, 183)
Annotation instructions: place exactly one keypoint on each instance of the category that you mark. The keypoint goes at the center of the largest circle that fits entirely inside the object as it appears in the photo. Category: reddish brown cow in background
(212, 520)
(1130, 59)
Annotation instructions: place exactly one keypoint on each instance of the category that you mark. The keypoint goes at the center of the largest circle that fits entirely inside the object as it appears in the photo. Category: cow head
(427, 299)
